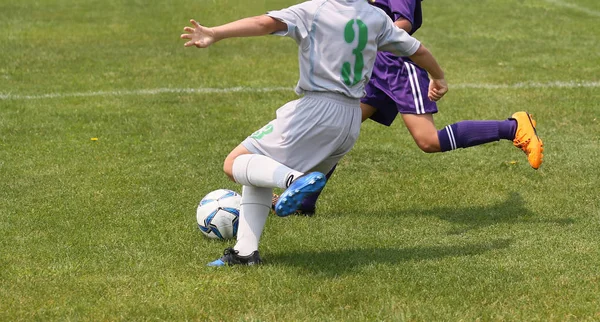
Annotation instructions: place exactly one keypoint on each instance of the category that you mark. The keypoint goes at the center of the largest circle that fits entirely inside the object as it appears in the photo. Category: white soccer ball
(218, 214)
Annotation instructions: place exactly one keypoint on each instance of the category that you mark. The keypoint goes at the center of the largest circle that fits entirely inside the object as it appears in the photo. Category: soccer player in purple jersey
(398, 85)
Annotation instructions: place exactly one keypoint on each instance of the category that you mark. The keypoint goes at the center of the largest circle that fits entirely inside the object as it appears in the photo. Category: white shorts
(310, 134)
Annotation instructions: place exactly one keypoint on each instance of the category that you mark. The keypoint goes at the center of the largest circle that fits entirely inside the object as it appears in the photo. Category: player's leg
(251, 169)
(417, 112)
(308, 140)
(262, 159)
(230, 159)
(258, 174)
(422, 129)
(320, 147)
(374, 96)
(261, 171)
(291, 199)
(462, 134)
(367, 110)
(410, 89)
(309, 204)
(254, 210)
(520, 129)
(248, 164)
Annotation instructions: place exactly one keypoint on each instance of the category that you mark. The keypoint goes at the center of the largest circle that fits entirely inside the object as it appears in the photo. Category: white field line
(143, 92)
(530, 85)
(574, 7)
(208, 90)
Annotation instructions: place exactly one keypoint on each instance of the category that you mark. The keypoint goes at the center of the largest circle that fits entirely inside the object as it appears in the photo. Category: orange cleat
(527, 139)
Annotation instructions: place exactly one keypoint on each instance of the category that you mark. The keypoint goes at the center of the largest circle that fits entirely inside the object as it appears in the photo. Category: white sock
(254, 210)
(261, 171)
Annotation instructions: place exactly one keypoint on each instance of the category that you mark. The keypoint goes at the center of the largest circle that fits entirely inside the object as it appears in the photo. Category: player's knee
(228, 167)
(428, 144)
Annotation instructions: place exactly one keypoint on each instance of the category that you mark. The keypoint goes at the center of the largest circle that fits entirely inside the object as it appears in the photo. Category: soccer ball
(218, 214)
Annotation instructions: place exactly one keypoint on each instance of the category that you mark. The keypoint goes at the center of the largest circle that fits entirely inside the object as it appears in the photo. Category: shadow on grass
(340, 261)
(512, 210)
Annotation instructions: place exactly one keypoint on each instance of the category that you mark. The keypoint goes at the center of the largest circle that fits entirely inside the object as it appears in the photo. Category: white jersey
(338, 41)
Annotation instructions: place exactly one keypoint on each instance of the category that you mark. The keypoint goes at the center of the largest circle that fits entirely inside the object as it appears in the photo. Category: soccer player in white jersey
(337, 44)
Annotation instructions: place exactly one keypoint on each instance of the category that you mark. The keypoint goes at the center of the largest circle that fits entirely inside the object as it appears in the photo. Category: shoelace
(523, 144)
(230, 251)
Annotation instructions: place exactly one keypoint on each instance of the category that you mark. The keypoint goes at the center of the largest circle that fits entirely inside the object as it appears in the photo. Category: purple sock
(465, 134)
(309, 203)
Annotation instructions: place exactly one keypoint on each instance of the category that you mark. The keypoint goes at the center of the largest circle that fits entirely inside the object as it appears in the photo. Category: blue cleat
(216, 263)
(304, 210)
(291, 199)
(230, 257)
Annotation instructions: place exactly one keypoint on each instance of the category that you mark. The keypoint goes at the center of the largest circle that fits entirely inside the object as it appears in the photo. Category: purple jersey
(407, 9)
(397, 85)
(396, 9)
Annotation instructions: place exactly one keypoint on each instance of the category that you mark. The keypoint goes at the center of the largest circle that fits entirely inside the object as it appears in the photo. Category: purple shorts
(398, 87)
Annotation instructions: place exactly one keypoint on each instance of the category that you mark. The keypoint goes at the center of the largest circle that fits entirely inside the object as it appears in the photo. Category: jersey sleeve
(295, 19)
(397, 41)
(403, 9)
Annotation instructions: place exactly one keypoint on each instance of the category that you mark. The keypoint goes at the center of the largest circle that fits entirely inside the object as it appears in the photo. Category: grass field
(104, 230)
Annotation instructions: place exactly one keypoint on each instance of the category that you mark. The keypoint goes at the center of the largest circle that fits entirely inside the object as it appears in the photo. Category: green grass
(105, 230)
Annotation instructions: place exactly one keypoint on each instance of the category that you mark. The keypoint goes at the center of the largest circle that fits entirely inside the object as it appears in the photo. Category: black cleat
(230, 257)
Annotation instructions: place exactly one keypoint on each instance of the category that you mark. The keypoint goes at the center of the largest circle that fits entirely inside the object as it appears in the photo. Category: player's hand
(437, 89)
(198, 36)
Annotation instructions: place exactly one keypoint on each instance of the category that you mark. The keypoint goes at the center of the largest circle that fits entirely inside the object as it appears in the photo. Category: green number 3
(359, 62)
(262, 132)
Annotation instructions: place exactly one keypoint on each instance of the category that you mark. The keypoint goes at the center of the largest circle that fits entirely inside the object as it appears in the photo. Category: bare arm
(423, 57)
(425, 60)
(203, 37)
(403, 24)
(437, 86)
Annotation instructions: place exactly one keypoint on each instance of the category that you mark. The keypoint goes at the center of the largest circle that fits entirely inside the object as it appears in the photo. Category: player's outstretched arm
(437, 86)
(203, 37)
